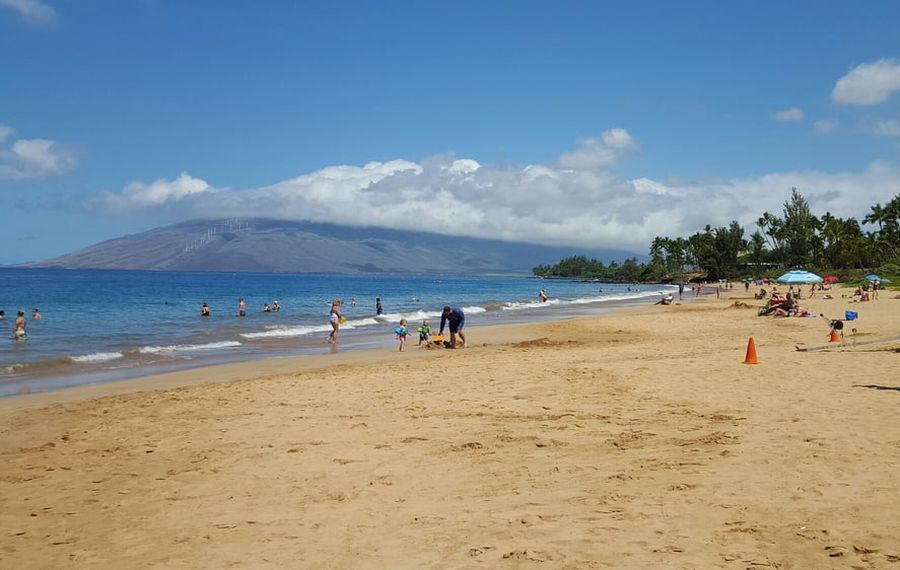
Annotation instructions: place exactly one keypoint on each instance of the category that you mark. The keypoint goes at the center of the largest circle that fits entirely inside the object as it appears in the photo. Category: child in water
(424, 332)
(402, 332)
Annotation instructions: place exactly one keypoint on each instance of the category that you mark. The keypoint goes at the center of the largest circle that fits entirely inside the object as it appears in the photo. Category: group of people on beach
(20, 325)
(452, 317)
(868, 292)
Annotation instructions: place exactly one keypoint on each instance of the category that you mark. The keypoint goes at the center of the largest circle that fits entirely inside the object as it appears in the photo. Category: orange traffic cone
(751, 353)
(834, 336)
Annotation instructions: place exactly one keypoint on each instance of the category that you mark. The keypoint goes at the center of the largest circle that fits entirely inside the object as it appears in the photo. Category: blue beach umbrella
(799, 276)
(873, 277)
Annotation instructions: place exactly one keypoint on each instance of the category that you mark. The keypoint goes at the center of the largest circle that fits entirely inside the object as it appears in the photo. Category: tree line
(797, 238)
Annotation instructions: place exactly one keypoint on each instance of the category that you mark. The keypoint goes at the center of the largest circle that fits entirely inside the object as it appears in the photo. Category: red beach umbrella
(830, 278)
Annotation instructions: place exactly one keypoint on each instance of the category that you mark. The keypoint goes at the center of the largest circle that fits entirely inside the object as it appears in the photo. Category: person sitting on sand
(761, 295)
(785, 308)
(665, 300)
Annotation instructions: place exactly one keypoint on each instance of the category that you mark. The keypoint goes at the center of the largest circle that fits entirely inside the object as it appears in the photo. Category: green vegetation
(826, 245)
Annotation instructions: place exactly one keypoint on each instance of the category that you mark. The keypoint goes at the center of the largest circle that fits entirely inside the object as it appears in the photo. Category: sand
(635, 440)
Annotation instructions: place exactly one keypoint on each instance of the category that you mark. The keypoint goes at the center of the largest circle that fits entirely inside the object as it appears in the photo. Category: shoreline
(304, 346)
(251, 369)
(256, 367)
(632, 439)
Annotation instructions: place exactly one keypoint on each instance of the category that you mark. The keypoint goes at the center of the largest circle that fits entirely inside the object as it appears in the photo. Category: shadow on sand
(877, 387)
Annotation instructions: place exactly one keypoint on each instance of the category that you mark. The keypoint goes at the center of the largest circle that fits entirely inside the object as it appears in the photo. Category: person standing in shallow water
(19, 327)
(378, 308)
(242, 307)
(335, 319)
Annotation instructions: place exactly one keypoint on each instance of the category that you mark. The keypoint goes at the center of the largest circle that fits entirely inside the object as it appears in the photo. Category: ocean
(102, 326)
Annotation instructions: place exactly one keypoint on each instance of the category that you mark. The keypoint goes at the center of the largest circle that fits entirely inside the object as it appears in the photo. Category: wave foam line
(96, 357)
(188, 347)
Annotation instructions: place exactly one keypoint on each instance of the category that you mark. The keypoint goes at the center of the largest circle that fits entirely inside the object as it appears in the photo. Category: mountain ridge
(276, 246)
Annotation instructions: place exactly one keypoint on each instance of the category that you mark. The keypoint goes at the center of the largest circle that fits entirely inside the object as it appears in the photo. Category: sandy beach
(633, 440)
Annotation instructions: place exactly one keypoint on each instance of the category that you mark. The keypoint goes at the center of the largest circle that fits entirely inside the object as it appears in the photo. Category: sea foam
(97, 357)
(188, 347)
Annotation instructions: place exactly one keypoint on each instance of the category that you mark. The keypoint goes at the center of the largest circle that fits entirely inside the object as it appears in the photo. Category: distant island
(277, 246)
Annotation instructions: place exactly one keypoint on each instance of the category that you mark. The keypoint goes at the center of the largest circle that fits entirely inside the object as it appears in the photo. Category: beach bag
(850, 315)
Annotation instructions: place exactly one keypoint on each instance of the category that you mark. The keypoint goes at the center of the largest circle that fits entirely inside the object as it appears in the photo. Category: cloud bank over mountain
(578, 201)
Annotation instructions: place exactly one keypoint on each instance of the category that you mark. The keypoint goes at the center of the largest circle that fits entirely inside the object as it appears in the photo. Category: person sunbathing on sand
(665, 300)
(781, 309)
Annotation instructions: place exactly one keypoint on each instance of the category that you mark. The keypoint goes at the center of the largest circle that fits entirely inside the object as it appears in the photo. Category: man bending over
(456, 319)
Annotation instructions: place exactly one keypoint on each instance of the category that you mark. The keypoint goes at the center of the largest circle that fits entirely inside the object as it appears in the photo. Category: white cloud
(157, 193)
(35, 158)
(602, 153)
(6, 132)
(562, 204)
(792, 114)
(32, 11)
(889, 128)
(868, 84)
(825, 126)
(463, 167)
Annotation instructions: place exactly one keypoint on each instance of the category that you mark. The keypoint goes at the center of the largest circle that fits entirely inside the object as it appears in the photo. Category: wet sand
(635, 440)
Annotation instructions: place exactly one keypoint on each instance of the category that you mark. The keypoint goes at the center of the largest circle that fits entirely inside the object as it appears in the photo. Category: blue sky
(583, 123)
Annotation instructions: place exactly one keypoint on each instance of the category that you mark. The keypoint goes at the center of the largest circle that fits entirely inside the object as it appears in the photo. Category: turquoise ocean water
(100, 326)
